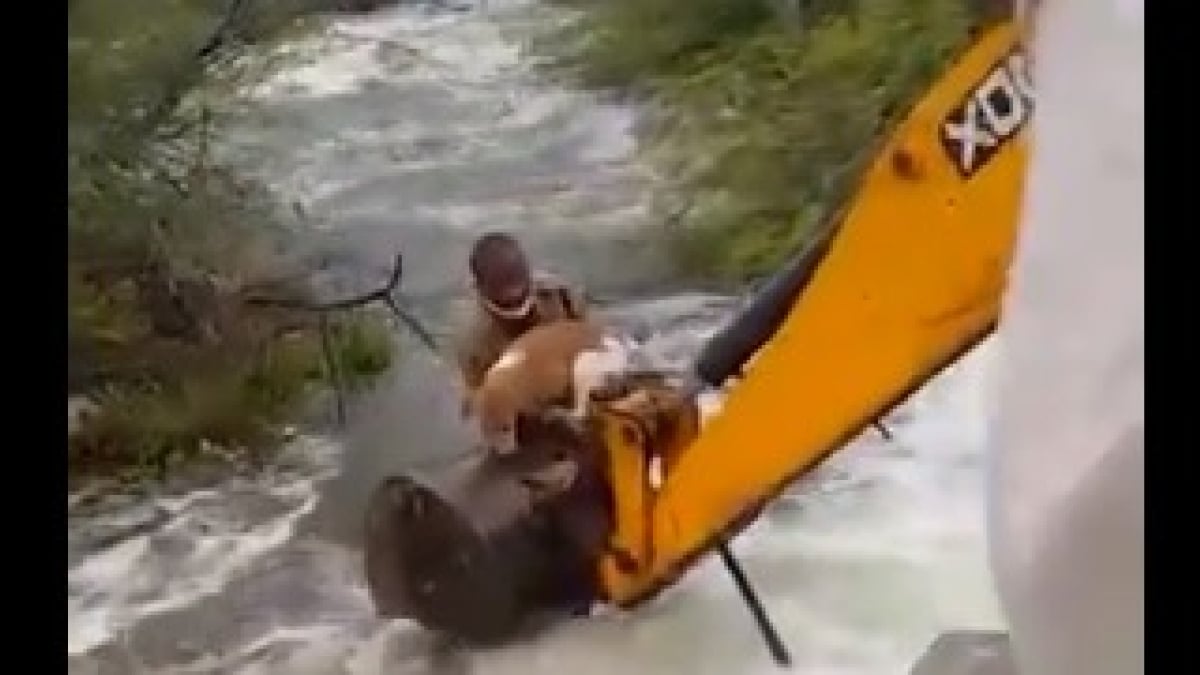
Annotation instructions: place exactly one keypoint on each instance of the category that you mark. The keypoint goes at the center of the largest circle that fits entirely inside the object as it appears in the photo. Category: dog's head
(496, 410)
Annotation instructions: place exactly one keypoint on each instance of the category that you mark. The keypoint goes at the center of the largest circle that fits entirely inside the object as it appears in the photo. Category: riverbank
(176, 350)
(763, 112)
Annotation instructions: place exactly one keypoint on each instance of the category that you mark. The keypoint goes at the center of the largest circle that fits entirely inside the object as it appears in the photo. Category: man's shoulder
(548, 280)
(556, 288)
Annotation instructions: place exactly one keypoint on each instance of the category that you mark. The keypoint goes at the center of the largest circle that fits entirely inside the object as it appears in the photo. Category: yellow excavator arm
(908, 279)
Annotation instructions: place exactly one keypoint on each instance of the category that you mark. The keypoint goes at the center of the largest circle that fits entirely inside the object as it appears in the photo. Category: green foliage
(233, 399)
(361, 349)
(622, 42)
(764, 119)
(163, 242)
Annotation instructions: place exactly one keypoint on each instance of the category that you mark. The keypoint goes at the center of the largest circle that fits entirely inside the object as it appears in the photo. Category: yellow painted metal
(912, 278)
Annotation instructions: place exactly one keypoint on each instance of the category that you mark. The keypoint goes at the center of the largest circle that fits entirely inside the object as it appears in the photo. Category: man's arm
(470, 362)
(470, 345)
(470, 359)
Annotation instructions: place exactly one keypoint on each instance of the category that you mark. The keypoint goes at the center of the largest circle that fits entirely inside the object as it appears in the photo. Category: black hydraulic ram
(725, 355)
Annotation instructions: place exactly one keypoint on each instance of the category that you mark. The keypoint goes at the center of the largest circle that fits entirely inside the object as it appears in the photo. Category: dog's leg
(587, 374)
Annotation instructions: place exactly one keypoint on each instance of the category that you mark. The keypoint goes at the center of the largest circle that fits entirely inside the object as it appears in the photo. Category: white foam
(127, 583)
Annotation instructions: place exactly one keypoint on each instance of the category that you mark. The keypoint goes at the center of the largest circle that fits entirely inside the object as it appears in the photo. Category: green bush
(165, 247)
(235, 400)
(621, 43)
(765, 113)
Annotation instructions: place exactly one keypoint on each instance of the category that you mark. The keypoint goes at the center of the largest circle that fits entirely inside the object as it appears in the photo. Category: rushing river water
(416, 128)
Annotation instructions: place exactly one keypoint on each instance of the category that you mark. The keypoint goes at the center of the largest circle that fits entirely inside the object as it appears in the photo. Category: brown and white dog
(556, 364)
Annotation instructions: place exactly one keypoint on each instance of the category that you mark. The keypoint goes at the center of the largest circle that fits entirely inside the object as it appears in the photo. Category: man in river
(510, 298)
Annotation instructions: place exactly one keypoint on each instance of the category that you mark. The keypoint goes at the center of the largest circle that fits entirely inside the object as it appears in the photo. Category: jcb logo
(993, 113)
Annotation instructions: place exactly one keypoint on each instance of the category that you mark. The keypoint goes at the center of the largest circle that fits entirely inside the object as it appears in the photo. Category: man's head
(502, 276)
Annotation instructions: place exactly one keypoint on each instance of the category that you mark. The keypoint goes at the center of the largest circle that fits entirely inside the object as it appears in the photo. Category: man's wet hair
(492, 250)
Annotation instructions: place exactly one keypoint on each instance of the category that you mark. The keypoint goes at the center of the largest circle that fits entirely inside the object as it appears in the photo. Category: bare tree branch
(384, 294)
(381, 294)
